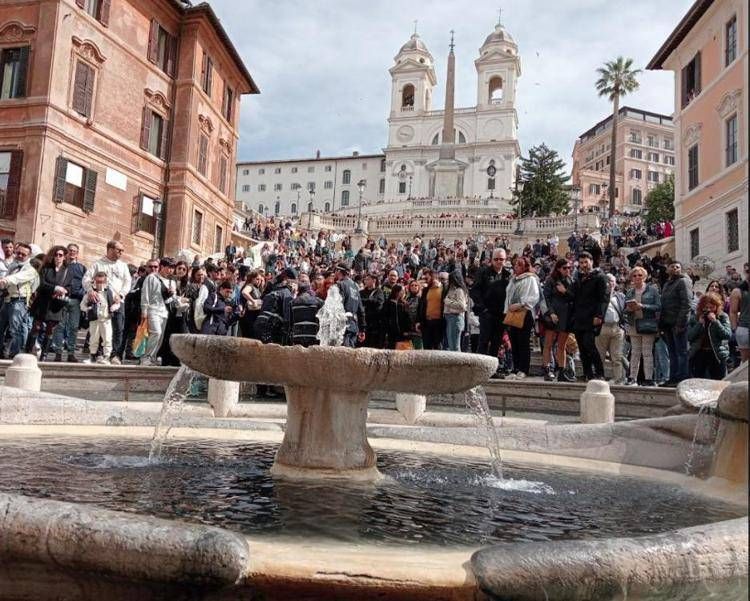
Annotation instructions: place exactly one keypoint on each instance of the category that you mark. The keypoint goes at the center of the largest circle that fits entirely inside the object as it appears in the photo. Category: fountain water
(476, 401)
(332, 319)
(174, 397)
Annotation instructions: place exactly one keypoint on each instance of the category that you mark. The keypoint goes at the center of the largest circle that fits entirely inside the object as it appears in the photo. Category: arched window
(461, 138)
(327, 207)
(436, 139)
(294, 208)
(496, 90)
(277, 208)
(407, 97)
(346, 178)
(457, 135)
(382, 165)
(261, 208)
(345, 198)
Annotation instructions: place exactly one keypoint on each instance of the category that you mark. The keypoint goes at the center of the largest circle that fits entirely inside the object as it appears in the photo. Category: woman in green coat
(709, 333)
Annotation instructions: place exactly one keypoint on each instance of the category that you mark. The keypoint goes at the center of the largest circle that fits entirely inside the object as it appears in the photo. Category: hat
(342, 267)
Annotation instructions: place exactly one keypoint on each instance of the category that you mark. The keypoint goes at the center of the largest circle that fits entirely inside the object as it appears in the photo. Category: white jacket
(523, 289)
(118, 276)
(152, 301)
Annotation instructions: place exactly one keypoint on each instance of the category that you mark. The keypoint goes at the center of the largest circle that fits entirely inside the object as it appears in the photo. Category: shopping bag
(404, 345)
(141, 338)
(515, 318)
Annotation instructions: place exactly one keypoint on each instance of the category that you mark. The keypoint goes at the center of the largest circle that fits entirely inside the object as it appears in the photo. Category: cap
(342, 267)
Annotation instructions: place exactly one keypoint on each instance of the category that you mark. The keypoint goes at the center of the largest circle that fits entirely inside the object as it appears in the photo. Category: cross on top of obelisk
(415, 26)
(452, 44)
(499, 16)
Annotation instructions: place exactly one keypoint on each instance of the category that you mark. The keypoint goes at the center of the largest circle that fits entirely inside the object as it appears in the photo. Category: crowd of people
(600, 302)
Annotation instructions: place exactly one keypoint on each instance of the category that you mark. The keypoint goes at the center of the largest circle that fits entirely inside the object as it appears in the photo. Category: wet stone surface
(426, 499)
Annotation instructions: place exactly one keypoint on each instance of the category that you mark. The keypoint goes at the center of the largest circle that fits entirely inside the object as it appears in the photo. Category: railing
(461, 111)
(407, 108)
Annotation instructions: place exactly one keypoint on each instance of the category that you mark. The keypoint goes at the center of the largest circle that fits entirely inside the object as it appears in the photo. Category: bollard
(223, 396)
(597, 403)
(411, 406)
(24, 373)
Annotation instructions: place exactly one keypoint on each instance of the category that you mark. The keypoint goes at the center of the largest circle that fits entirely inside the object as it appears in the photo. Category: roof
(313, 159)
(622, 110)
(204, 8)
(414, 43)
(499, 35)
(675, 38)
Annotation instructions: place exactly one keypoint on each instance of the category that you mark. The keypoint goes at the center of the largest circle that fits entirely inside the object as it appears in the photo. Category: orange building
(118, 119)
(708, 53)
(644, 157)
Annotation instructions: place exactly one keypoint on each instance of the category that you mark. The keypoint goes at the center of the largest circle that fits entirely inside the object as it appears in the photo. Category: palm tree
(616, 79)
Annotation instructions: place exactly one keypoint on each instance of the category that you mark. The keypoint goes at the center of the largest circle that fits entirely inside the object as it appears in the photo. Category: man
(488, 296)
(119, 282)
(318, 285)
(157, 294)
(357, 322)
(390, 281)
(20, 282)
(590, 245)
(133, 305)
(612, 335)
(8, 248)
(739, 315)
(305, 307)
(214, 275)
(230, 252)
(676, 295)
(66, 331)
(590, 290)
(430, 323)
(272, 325)
(373, 299)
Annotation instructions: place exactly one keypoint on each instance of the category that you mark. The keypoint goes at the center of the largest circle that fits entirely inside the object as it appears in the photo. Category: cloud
(322, 67)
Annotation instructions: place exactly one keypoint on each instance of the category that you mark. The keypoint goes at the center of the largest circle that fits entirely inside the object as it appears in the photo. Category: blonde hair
(639, 269)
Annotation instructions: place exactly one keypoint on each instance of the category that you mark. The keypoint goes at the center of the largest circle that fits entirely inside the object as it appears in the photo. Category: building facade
(485, 143)
(116, 118)
(708, 54)
(644, 157)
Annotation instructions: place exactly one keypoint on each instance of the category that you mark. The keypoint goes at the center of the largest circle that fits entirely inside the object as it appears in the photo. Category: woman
(395, 314)
(521, 296)
(559, 298)
(177, 322)
(455, 305)
(192, 290)
(708, 333)
(49, 301)
(251, 294)
(716, 287)
(412, 302)
(642, 306)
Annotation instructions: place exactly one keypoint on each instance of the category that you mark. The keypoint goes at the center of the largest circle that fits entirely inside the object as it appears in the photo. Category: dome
(499, 36)
(415, 43)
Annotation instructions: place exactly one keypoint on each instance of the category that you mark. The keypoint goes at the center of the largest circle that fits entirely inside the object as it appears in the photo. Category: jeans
(490, 334)
(66, 331)
(454, 326)
(14, 315)
(677, 344)
(661, 361)
(118, 326)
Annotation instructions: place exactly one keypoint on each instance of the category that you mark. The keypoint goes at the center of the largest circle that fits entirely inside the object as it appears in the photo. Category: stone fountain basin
(346, 369)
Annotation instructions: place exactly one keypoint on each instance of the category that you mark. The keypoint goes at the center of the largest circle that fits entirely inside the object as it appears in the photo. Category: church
(463, 158)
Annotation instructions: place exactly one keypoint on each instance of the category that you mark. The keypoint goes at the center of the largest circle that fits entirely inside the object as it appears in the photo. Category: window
(261, 171)
(223, 174)
(294, 208)
(246, 188)
(653, 157)
(636, 196)
(346, 177)
(691, 80)
(261, 209)
(695, 243)
(227, 103)
(652, 141)
(197, 233)
(668, 159)
(730, 50)
(730, 132)
(311, 186)
(83, 89)
(491, 183)
(99, 9)
(246, 172)
(294, 170)
(219, 239)
(668, 144)
(407, 98)
(402, 187)
(594, 189)
(635, 136)
(14, 63)
(693, 167)
(653, 176)
(154, 133)
(277, 170)
(733, 231)
(162, 48)
(277, 187)
(277, 208)
(636, 174)
(10, 182)
(295, 186)
(207, 73)
(311, 169)
(636, 153)
(382, 165)
(203, 155)
(327, 207)
(328, 185)
(496, 90)
(381, 189)
(261, 187)
(461, 138)
(146, 214)
(327, 169)
(74, 185)
(345, 198)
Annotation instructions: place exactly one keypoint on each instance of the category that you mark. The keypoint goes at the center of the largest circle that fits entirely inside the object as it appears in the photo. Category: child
(99, 313)
(220, 311)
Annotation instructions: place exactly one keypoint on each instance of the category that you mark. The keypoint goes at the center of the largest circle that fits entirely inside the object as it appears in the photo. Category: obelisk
(447, 149)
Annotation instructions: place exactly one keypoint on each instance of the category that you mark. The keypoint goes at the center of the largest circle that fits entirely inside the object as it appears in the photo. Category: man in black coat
(488, 296)
(591, 246)
(304, 317)
(357, 323)
(373, 299)
(591, 294)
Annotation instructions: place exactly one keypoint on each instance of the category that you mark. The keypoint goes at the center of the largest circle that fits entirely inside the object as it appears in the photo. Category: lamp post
(361, 185)
(157, 209)
(312, 198)
(517, 190)
(575, 194)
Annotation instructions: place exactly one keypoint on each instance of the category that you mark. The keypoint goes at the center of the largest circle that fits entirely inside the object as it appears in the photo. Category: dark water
(429, 499)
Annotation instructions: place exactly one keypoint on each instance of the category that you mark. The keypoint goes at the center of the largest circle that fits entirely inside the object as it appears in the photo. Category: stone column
(597, 403)
(223, 396)
(411, 406)
(24, 373)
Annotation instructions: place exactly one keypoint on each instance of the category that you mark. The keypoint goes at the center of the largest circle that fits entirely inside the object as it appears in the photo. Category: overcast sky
(322, 67)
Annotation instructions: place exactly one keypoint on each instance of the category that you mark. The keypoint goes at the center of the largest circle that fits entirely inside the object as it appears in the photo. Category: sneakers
(516, 376)
(115, 360)
(72, 358)
(58, 357)
(550, 375)
(146, 362)
(102, 361)
(631, 382)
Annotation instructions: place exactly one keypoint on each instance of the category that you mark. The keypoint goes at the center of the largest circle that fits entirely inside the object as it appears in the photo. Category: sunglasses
(59, 254)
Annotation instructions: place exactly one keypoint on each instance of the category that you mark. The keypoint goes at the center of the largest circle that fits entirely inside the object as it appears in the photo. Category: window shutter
(81, 3)
(61, 168)
(209, 76)
(89, 192)
(172, 56)
(13, 189)
(104, 12)
(153, 41)
(204, 66)
(79, 88)
(202, 154)
(88, 100)
(223, 173)
(164, 142)
(698, 73)
(145, 127)
(23, 69)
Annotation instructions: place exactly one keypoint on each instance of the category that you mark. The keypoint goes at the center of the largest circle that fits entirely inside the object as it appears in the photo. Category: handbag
(647, 325)
(141, 338)
(404, 345)
(515, 319)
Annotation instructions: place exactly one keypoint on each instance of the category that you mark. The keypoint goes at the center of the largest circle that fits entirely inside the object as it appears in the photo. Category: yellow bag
(141, 338)
(405, 345)
(515, 318)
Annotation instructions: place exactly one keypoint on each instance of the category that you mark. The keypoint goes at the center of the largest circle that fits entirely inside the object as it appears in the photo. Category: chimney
(317, 154)
(355, 153)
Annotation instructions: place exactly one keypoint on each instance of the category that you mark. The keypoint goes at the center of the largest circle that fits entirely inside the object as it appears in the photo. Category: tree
(660, 202)
(616, 79)
(544, 183)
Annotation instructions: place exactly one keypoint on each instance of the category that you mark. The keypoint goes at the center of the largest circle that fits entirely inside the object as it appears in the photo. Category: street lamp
(312, 198)
(575, 194)
(157, 210)
(361, 185)
(410, 181)
(517, 190)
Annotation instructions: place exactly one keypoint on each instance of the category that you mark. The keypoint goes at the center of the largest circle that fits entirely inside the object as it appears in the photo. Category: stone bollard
(597, 403)
(411, 406)
(24, 373)
(223, 396)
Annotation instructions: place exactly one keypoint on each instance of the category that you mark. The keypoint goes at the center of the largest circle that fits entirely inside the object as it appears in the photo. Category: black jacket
(396, 322)
(353, 304)
(675, 302)
(373, 301)
(591, 294)
(559, 303)
(48, 280)
(217, 321)
(488, 291)
(304, 326)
